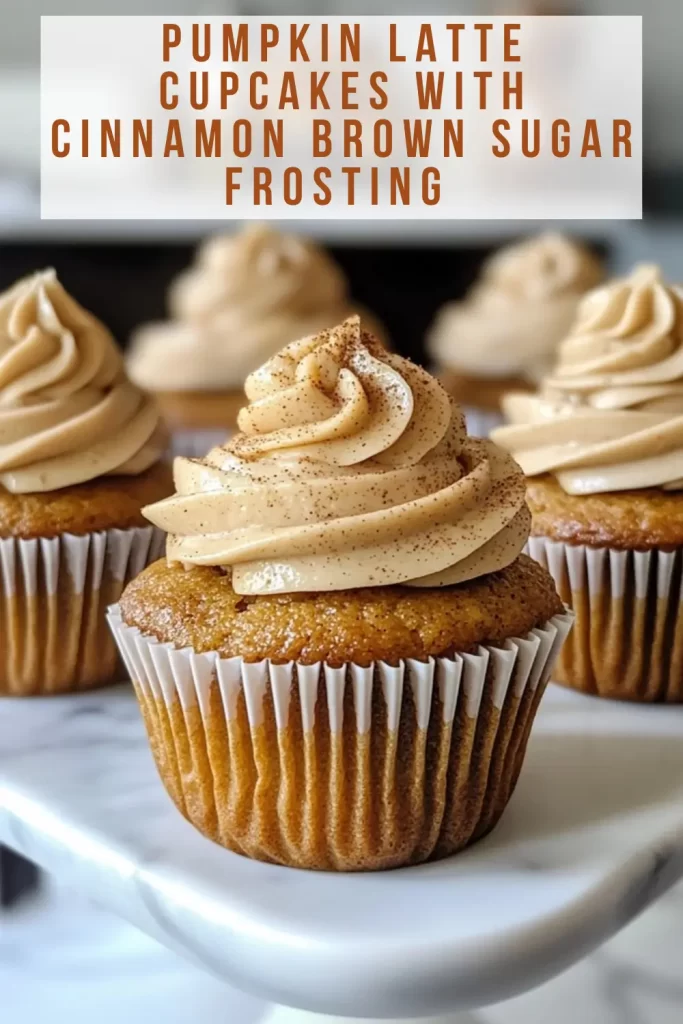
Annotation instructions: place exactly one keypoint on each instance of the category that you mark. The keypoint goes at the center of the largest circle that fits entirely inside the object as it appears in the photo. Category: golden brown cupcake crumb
(102, 504)
(628, 520)
(201, 410)
(198, 608)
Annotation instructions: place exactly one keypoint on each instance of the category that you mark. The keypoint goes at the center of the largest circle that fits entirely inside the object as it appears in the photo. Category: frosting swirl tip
(352, 468)
(522, 305)
(245, 296)
(612, 407)
(67, 411)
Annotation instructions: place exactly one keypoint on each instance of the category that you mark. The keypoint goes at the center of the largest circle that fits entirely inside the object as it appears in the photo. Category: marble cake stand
(593, 834)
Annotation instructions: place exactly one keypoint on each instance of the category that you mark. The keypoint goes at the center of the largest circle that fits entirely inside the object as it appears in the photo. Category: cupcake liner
(193, 444)
(480, 422)
(627, 643)
(350, 768)
(54, 593)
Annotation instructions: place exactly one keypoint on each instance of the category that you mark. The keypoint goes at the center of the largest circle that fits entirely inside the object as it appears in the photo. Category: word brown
(421, 137)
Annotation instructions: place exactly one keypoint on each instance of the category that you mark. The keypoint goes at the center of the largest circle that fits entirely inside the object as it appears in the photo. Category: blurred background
(404, 271)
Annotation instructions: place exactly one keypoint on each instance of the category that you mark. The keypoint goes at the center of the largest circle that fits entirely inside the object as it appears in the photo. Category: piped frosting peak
(68, 413)
(352, 468)
(609, 417)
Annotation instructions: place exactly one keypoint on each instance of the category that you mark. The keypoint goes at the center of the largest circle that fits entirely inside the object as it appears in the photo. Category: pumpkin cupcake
(503, 335)
(247, 295)
(79, 456)
(602, 445)
(341, 658)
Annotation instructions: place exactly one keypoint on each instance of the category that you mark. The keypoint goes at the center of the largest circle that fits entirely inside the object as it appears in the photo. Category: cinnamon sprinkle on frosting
(352, 468)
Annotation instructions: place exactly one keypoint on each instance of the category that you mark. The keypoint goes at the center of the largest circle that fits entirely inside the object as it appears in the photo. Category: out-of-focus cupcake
(503, 335)
(80, 450)
(340, 662)
(246, 296)
(602, 445)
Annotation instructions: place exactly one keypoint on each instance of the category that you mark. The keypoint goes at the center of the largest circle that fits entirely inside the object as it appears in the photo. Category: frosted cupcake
(247, 295)
(340, 661)
(503, 335)
(80, 451)
(602, 445)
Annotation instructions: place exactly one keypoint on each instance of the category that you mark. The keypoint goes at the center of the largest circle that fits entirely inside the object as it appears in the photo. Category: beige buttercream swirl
(512, 320)
(352, 468)
(247, 296)
(68, 413)
(610, 416)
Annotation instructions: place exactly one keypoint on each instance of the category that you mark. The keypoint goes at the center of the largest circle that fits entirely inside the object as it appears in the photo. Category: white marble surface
(63, 961)
(66, 961)
(593, 834)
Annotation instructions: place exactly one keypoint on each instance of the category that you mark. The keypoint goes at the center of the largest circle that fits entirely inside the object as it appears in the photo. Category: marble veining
(593, 834)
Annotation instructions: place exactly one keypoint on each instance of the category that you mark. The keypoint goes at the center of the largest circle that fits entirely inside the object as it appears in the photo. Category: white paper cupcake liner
(628, 639)
(480, 422)
(433, 748)
(193, 444)
(54, 593)
(171, 674)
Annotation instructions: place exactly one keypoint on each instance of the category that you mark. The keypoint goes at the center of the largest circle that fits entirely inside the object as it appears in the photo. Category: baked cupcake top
(68, 413)
(610, 416)
(352, 468)
(247, 295)
(512, 320)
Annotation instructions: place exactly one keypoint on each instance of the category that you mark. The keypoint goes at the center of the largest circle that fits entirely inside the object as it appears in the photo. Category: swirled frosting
(68, 413)
(512, 320)
(352, 468)
(610, 416)
(247, 296)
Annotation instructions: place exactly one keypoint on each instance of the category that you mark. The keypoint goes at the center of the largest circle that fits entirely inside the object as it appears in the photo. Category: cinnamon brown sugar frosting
(352, 468)
(68, 413)
(610, 416)
(247, 295)
(514, 317)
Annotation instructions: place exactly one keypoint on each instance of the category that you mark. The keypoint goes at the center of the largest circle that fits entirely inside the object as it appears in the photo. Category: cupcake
(79, 457)
(247, 295)
(602, 445)
(340, 660)
(503, 335)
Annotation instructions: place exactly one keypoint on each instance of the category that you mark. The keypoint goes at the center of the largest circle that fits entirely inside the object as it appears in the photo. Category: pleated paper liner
(341, 768)
(480, 422)
(627, 643)
(54, 595)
